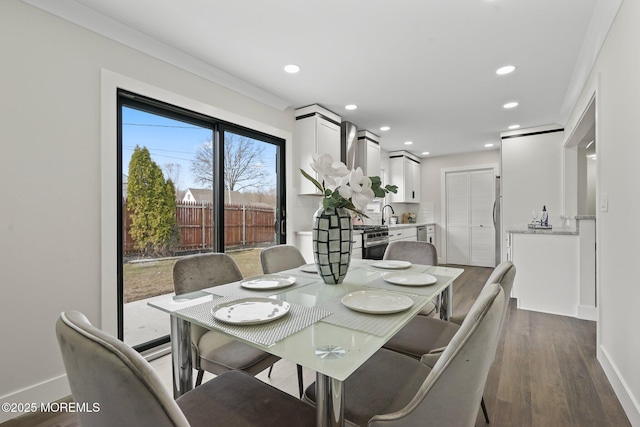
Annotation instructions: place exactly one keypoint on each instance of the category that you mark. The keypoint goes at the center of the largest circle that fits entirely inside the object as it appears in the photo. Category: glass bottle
(544, 220)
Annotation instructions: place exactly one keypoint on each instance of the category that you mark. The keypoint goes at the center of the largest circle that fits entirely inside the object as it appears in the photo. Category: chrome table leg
(329, 401)
(181, 356)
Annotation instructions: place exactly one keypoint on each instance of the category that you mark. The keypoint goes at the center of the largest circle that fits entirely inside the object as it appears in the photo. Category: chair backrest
(280, 257)
(201, 271)
(414, 252)
(504, 273)
(103, 370)
(451, 393)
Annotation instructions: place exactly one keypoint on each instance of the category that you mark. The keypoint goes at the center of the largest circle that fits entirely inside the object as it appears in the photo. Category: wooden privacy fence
(244, 225)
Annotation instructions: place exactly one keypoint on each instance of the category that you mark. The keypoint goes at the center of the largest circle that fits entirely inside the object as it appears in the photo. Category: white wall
(531, 179)
(430, 191)
(51, 169)
(615, 79)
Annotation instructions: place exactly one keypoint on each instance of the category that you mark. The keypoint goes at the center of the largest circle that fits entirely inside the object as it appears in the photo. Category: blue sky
(170, 141)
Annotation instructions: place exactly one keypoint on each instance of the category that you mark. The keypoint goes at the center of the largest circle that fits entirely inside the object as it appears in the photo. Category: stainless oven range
(375, 239)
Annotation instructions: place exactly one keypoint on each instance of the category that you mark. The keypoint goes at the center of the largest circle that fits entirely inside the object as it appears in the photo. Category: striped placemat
(298, 318)
(375, 324)
(427, 290)
(231, 289)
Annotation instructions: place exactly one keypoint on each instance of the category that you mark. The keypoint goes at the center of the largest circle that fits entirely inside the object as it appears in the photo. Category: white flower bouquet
(344, 188)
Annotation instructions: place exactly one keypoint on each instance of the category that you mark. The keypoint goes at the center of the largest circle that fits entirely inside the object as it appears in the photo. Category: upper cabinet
(404, 171)
(369, 153)
(317, 131)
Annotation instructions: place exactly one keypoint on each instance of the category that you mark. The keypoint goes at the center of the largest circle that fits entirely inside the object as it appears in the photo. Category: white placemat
(375, 324)
(427, 290)
(298, 318)
(231, 289)
(299, 273)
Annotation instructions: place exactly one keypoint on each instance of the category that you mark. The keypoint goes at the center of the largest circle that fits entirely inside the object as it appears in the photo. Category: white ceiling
(425, 68)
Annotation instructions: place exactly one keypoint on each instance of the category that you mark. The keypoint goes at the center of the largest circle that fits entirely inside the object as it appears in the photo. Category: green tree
(151, 202)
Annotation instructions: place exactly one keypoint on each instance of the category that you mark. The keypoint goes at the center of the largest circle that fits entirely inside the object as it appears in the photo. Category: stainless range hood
(349, 144)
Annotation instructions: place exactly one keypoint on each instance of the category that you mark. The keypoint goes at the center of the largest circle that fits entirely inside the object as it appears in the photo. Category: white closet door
(457, 194)
(481, 197)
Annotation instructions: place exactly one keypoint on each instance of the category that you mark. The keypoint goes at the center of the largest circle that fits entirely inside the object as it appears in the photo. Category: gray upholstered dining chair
(392, 389)
(279, 258)
(213, 351)
(103, 370)
(426, 337)
(416, 253)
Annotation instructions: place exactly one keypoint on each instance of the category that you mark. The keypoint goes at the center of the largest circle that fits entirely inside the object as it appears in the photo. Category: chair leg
(199, 378)
(270, 369)
(484, 410)
(300, 381)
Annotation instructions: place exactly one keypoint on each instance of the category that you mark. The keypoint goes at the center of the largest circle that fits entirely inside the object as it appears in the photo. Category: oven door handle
(378, 243)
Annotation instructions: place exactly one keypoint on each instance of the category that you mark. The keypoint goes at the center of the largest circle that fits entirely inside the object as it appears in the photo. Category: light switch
(604, 202)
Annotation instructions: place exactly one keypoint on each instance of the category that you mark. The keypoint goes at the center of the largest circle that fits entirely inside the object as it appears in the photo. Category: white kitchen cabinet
(395, 234)
(404, 171)
(410, 234)
(304, 242)
(369, 153)
(317, 131)
(356, 248)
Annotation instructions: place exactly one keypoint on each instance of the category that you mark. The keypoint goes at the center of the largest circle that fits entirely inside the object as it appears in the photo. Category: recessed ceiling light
(510, 105)
(488, 145)
(385, 128)
(512, 127)
(425, 153)
(408, 143)
(351, 107)
(291, 68)
(505, 70)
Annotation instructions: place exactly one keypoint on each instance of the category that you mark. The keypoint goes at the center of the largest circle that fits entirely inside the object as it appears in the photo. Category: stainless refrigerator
(497, 204)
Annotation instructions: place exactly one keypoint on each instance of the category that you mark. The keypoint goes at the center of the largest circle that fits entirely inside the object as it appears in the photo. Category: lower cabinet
(404, 233)
(356, 248)
(410, 234)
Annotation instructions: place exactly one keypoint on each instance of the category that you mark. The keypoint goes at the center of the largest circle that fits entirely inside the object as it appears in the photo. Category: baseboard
(586, 312)
(44, 392)
(625, 396)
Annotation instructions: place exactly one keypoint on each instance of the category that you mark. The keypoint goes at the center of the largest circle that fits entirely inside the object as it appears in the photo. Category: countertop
(417, 224)
(391, 227)
(554, 231)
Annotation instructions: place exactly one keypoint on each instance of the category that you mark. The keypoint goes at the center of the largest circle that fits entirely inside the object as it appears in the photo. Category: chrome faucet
(382, 211)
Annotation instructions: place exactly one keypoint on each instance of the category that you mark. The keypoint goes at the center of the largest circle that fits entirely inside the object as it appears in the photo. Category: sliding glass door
(188, 184)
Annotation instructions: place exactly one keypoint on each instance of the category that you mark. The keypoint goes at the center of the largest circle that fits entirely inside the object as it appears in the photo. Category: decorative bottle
(544, 220)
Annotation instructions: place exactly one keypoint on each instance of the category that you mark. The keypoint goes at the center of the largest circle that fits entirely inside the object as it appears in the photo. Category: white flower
(328, 169)
(357, 187)
(343, 188)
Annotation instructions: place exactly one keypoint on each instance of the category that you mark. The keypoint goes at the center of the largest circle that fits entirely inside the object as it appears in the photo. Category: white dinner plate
(268, 281)
(250, 311)
(410, 279)
(391, 264)
(377, 302)
(309, 268)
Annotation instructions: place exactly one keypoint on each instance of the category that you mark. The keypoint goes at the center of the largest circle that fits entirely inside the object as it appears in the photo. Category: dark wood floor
(545, 372)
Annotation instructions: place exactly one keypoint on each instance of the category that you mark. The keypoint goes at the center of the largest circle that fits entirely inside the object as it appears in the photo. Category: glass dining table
(331, 329)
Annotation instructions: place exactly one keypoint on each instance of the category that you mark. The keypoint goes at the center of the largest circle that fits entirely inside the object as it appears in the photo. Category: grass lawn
(151, 278)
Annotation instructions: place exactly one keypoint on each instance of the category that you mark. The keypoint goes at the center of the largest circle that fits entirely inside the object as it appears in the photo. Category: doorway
(469, 196)
(188, 184)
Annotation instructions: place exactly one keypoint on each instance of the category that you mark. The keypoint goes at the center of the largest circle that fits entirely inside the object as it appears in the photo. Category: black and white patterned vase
(332, 243)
